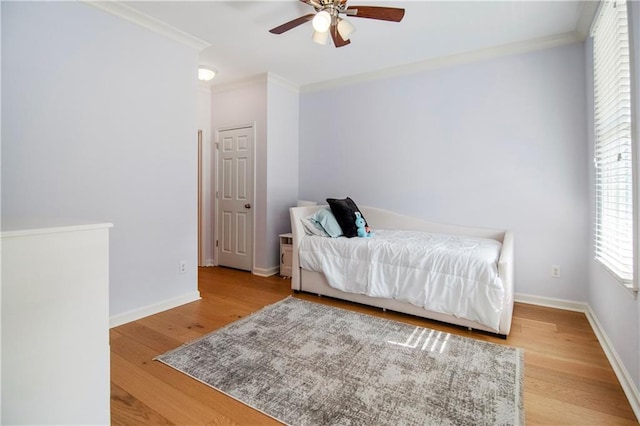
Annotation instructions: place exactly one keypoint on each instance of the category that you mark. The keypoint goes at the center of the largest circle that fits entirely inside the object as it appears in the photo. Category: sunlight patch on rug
(305, 363)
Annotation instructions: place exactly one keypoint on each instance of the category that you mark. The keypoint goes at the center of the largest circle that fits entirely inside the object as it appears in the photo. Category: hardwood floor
(568, 379)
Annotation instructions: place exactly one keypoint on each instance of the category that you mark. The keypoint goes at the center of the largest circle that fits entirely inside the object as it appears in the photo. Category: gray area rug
(304, 363)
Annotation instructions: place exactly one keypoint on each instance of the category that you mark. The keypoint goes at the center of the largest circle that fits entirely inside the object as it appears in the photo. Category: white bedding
(450, 274)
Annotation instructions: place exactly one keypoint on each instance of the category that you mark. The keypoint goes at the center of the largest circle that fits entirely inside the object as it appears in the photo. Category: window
(613, 159)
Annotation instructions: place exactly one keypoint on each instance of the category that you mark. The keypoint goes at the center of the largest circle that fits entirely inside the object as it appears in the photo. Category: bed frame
(315, 282)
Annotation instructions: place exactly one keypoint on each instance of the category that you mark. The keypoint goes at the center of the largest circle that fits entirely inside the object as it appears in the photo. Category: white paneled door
(235, 198)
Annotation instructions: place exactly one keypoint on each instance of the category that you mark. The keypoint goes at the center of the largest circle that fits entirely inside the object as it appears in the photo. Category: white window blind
(613, 148)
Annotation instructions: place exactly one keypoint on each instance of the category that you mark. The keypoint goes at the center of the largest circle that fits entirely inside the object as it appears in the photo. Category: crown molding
(263, 78)
(446, 61)
(130, 14)
(238, 84)
(585, 18)
(283, 82)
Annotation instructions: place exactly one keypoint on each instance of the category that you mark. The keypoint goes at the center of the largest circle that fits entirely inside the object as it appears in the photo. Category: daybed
(378, 219)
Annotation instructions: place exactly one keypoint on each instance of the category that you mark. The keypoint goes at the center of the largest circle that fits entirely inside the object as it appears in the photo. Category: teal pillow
(324, 218)
(312, 227)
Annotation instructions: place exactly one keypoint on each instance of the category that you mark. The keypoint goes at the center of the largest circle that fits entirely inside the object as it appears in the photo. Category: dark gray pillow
(344, 212)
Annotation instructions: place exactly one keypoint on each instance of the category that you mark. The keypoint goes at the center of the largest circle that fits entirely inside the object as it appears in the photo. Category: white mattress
(450, 274)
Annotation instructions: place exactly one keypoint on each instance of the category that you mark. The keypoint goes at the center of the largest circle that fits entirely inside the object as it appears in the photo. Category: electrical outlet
(183, 267)
(555, 271)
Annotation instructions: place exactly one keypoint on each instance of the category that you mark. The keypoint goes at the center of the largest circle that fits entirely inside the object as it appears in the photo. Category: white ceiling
(240, 45)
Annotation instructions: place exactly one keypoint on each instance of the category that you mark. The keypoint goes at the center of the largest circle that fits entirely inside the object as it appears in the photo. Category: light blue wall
(282, 161)
(499, 143)
(99, 123)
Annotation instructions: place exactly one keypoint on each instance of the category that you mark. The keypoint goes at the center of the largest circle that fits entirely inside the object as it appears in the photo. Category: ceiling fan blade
(376, 12)
(291, 24)
(337, 38)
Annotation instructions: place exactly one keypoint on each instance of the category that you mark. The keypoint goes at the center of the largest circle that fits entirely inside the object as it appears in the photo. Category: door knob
(247, 206)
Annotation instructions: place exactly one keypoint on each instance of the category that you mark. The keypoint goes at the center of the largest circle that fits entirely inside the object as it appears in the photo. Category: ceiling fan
(327, 20)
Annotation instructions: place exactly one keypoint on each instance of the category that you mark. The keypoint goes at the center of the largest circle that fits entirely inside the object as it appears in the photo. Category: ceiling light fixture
(328, 19)
(206, 73)
(322, 21)
(345, 28)
(321, 38)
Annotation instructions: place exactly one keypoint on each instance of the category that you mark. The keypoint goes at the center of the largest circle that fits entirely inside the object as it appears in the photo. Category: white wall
(241, 105)
(617, 310)
(498, 143)
(99, 123)
(272, 105)
(55, 325)
(282, 161)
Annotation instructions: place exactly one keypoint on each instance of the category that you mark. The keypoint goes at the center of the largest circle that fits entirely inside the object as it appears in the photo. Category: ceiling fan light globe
(206, 74)
(322, 21)
(345, 29)
(321, 37)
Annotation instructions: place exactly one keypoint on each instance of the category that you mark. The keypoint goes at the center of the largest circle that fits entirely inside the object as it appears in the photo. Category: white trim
(209, 262)
(262, 272)
(238, 84)
(130, 14)
(621, 372)
(628, 386)
(566, 305)
(635, 154)
(282, 82)
(145, 311)
(262, 78)
(457, 59)
(593, 21)
(53, 229)
(585, 19)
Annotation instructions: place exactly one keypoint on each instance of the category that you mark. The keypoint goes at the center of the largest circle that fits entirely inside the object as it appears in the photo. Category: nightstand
(286, 254)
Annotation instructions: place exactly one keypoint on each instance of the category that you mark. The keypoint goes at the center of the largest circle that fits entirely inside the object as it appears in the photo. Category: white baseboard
(145, 311)
(261, 272)
(550, 302)
(626, 381)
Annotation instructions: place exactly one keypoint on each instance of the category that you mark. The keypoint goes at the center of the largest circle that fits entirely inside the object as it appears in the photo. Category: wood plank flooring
(568, 379)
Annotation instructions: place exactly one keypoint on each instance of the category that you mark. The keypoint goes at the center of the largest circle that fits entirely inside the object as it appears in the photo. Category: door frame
(216, 187)
(201, 230)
